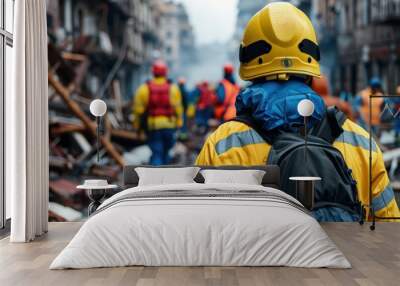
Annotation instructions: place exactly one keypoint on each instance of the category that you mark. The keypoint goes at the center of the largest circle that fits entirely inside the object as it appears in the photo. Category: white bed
(225, 225)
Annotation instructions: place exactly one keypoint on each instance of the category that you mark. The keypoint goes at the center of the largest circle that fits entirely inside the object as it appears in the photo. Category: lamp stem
(305, 139)
(98, 137)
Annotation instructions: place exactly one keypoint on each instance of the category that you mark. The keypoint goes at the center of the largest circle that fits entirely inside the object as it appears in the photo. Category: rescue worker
(321, 87)
(227, 92)
(185, 104)
(157, 108)
(362, 103)
(279, 54)
(205, 106)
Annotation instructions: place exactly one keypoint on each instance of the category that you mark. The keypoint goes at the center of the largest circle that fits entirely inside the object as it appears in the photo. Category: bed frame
(271, 178)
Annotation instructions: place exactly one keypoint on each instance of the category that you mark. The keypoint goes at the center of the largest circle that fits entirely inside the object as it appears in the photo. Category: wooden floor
(375, 257)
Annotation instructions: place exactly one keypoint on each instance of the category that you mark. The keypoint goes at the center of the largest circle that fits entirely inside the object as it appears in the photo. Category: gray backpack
(337, 188)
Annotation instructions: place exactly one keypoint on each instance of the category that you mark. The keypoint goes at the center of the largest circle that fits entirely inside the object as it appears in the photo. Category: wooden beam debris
(65, 93)
(74, 57)
(71, 128)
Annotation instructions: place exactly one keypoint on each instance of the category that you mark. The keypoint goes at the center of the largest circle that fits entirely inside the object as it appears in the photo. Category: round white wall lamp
(306, 108)
(98, 108)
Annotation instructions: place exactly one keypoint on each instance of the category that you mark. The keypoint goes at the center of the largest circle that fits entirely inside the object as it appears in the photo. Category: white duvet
(200, 231)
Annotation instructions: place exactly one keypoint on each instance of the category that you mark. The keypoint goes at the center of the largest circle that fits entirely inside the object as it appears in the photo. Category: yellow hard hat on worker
(279, 41)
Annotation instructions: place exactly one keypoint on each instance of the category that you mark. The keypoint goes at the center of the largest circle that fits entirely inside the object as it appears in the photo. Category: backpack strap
(330, 127)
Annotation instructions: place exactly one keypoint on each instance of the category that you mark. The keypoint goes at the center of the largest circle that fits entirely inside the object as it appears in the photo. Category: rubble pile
(103, 50)
(73, 132)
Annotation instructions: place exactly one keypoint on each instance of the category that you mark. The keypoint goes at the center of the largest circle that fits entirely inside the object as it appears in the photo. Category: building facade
(121, 36)
(177, 37)
(324, 15)
(246, 9)
(367, 42)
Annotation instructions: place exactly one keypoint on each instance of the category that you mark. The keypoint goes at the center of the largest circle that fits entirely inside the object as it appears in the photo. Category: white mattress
(200, 231)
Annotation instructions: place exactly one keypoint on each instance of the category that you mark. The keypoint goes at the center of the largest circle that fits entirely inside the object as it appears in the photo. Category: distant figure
(205, 106)
(227, 91)
(185, 103)
(362, 103)
(397, 118)
(158, 109)
(321, 86)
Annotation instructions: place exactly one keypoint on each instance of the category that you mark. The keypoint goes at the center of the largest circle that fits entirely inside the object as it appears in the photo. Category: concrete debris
(106, 55)
(66, 213)
(138, 156)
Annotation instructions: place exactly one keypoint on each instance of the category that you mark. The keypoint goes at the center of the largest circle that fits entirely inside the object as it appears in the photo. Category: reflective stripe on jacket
(235, 143)
(156, 122)
(227, 110)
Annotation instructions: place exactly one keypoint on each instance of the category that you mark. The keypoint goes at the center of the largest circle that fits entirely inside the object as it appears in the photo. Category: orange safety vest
(227, 110)
(376, 107)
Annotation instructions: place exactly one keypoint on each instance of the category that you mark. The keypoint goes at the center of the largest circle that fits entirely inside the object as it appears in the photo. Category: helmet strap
(285, 77)
(282, 77)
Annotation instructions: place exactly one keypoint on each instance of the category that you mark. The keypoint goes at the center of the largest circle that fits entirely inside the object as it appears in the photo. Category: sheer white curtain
(27, 124)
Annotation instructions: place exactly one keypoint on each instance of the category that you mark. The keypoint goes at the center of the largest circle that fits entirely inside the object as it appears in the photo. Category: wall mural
(176, 92)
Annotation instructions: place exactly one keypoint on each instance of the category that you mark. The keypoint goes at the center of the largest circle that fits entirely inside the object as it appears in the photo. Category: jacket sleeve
(140, 103)
(176, 102)
(208, 156)
(383, 199)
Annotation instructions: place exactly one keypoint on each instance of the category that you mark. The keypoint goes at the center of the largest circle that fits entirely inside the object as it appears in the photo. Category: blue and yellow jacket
(140, 105)
(235, 143)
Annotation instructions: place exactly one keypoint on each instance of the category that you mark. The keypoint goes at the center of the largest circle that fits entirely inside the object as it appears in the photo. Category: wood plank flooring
(375, 257)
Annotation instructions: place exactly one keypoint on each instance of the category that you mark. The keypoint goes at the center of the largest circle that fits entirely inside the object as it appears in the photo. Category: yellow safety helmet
(278, 41)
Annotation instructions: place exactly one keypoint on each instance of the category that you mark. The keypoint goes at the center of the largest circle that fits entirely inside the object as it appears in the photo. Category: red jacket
(207, 97)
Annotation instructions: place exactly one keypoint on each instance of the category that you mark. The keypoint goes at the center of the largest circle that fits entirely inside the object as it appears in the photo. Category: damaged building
(363, 41)
(100, 49)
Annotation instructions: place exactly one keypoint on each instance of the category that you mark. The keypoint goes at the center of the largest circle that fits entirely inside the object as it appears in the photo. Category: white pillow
(166, 176)
(246, 177)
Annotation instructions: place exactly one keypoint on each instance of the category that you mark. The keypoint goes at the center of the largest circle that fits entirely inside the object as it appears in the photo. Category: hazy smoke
(207, 64)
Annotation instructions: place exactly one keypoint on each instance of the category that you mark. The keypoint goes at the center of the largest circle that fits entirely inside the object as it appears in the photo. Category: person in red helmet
(157, 108)
(227, 92)
(159, 69)
(185, 103)
(205, 106)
